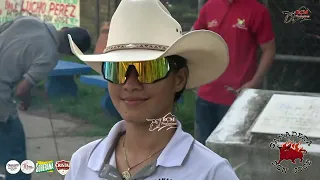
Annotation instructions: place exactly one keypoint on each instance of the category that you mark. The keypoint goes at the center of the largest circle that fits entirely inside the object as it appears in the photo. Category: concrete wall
(88, 15)
(250, 153)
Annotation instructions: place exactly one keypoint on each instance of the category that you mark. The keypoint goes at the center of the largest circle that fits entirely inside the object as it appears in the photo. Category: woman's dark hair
(177, 63)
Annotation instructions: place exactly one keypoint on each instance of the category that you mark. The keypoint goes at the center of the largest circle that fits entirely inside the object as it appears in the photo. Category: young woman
(148, 64)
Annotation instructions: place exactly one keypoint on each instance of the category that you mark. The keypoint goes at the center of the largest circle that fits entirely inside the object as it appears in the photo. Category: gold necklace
(126, 174)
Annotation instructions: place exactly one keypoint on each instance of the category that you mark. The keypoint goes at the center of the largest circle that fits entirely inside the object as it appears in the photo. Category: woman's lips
(134, 101)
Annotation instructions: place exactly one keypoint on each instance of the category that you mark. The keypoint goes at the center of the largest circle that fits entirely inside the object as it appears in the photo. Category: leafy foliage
(185, 12)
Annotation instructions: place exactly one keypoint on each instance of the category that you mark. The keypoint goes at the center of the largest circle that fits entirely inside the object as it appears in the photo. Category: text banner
(61, 13)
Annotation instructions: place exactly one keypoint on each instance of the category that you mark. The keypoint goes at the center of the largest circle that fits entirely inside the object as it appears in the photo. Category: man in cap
(246, 26)
(29, 50)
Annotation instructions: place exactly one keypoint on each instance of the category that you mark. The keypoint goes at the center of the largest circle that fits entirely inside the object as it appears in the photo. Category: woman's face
(137, 102)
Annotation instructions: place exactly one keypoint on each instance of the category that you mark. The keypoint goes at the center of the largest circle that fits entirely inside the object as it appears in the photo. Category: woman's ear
(181, 78)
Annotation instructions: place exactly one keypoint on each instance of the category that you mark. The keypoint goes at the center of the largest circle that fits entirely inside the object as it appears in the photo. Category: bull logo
(291, 151)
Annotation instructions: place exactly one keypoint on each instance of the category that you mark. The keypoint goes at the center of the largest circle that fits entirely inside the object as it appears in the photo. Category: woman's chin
(135, 118)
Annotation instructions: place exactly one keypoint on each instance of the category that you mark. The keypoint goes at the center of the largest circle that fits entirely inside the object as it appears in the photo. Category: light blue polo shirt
(182, 159)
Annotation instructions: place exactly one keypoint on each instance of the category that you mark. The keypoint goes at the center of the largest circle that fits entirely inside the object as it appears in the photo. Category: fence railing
(291, 58)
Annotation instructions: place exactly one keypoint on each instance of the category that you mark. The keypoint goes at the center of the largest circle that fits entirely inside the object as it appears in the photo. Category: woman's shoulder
(203, 154)
(98, 148)
(79, 165)
(216, 166)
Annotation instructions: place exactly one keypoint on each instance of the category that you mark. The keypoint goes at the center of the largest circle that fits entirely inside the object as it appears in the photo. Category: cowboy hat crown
(143, 22)
(144, 30)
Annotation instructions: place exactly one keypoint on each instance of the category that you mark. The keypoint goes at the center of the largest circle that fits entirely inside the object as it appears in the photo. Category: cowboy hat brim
(205, 51)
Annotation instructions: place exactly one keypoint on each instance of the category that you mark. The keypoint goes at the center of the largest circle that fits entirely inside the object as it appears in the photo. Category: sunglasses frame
(172, 65)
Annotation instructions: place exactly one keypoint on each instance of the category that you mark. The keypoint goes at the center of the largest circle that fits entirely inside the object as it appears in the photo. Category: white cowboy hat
(142, 30)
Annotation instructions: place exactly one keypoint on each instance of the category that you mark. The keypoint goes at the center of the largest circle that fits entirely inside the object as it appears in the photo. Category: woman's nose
(132, 81)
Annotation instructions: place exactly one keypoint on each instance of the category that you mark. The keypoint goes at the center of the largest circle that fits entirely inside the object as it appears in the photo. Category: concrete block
(234, 140)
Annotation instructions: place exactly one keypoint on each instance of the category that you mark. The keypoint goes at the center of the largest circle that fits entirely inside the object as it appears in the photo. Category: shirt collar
(98, 154)
(176, 150)
(173, 154)
(54, 33)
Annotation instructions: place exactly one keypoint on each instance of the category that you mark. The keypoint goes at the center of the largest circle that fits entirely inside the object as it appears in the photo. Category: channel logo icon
(44, 166)
(62, 167)
(13, 167)
(27, 167)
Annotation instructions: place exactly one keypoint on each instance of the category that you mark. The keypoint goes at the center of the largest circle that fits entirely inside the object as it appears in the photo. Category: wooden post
(98, 17)
(103, 38)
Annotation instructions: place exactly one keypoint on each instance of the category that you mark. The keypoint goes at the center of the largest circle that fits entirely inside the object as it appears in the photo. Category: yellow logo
(241, 22)
(44, 166)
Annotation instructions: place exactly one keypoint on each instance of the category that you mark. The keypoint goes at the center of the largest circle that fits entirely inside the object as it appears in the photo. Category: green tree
(185, 12)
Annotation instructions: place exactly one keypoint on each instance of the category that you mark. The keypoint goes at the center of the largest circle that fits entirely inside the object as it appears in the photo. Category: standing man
(29, 50)
(246, 26)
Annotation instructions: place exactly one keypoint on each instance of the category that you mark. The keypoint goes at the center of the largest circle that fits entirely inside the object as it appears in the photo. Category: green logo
(44, 166)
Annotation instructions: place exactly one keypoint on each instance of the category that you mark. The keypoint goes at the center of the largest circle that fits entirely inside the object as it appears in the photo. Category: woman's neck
(140, 139)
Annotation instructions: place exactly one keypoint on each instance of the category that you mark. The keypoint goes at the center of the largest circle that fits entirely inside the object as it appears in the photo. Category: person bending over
(29, 50)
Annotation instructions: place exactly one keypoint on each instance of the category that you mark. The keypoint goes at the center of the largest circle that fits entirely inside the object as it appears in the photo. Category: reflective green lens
(148, 71)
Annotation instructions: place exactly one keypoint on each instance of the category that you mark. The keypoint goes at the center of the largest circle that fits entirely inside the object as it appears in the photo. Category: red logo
(291, 151)
(62, 166)
(303, 13)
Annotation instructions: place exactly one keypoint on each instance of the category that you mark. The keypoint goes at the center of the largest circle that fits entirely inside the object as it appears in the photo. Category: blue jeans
(208, 116)
(13, 146)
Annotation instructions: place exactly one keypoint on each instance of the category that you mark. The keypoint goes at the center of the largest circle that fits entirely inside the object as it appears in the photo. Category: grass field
(87, 105)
